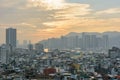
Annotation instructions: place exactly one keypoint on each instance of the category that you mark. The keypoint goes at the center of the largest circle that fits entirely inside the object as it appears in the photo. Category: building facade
(11, 37)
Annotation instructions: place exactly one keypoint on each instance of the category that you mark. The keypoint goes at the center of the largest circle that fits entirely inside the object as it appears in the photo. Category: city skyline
(36, 20)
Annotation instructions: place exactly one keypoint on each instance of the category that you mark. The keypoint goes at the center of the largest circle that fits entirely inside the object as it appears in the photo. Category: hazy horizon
(36, 20)
(21, 41)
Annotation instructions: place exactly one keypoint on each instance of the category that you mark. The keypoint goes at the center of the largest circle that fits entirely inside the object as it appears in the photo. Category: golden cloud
(109, 11)
(46, 4)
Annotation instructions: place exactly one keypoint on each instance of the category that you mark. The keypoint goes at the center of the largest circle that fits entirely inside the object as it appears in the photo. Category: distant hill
(109, 33)
(112, 33)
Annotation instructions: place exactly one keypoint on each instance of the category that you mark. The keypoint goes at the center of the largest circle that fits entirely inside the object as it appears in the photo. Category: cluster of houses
(61, 65)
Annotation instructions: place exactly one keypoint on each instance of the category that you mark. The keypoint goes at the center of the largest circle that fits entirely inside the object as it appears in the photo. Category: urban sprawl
(85, 57)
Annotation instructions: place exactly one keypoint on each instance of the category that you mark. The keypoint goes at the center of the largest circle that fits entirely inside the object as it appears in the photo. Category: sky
(36, 20)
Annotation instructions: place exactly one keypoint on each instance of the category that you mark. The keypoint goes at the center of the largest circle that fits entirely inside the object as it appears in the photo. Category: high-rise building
(30, 46)
(39, 48)
(105, 42)
(63, 42)
(93, 42)
(25, 44)
(11, 37)
(85, 41)
(4, 54)
(114, 52)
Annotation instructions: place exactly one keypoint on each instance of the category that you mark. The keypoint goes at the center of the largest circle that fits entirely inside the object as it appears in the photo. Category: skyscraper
(105, 42)
(11, 37)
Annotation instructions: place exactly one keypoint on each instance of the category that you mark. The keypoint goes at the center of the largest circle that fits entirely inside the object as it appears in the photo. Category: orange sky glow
(36, 20)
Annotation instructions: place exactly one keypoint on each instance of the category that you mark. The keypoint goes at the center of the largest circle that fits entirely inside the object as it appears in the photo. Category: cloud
(12, 4)
(73, 10)
(39, 19)
(69, 16)
(18, 25)
(110, 11)
(46, 4)
(87, 25)
(30, 25)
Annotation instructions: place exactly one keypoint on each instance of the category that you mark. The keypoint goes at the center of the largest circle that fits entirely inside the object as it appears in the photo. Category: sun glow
(49, 4)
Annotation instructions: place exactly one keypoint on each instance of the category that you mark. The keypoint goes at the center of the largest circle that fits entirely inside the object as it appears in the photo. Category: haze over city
(59, 39)
(36, 20)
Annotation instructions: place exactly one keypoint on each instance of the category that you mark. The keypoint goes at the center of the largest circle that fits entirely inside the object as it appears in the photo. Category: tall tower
(105, 42)
(11, 37)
